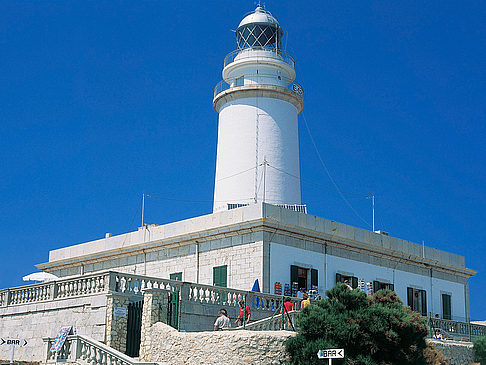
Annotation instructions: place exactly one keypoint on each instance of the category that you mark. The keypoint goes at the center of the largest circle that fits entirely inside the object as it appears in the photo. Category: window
(446, 306)
(299, 278)
(240, 81)
(378, 285)
(219, 276)
(352, 280)
(176, 276)
(417, 300)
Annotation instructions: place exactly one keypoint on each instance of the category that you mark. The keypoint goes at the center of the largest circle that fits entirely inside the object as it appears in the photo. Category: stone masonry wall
(33, 322)
(217, 347)
(116, 321)
(154, 310)
(243, 254)
(459, 353)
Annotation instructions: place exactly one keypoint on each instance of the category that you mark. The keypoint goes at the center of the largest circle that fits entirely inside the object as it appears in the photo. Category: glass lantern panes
(258, 35)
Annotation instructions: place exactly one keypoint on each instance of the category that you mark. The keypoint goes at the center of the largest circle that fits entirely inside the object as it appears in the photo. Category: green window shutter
(410, 298)
(423, 310)
(338, 278)
(176, 276)
(220, 276)
(223, 279)
(354, 282)
(446, 306)
(314, 277)
(294, 274)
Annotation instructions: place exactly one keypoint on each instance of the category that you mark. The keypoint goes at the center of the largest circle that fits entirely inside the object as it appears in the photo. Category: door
(134, 328)
(173, 305)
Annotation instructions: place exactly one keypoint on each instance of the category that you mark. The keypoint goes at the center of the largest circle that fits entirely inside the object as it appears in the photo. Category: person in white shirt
(222, 321)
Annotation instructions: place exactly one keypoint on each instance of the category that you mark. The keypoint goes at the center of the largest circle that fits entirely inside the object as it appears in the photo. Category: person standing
(305, 301)
(222, 321)
(244, 314)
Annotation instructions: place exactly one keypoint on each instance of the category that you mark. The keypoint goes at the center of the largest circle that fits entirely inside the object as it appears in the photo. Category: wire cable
(314, 183)
(329, 174)
(239, 173)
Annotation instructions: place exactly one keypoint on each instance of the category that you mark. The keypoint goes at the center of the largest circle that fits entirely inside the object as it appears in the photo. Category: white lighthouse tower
(258, 103)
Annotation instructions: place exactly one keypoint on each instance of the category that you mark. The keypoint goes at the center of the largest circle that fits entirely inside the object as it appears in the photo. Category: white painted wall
(281, 257)
(275, 123)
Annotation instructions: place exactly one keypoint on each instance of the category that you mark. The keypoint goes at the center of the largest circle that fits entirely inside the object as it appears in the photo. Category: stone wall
(459, 353)
(220, 347)
(35, 321)
(243, 257)
(154, 309)
(116, 321)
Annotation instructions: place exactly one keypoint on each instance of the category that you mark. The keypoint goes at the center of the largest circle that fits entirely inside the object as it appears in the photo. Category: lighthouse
(258, 102)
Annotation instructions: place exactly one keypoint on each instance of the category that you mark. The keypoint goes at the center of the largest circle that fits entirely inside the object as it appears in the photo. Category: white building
(258, 228)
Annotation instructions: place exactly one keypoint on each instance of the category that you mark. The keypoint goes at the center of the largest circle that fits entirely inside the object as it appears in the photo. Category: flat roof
(249, 216)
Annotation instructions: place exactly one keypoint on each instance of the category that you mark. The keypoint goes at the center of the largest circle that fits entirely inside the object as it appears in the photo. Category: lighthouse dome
(259, 29)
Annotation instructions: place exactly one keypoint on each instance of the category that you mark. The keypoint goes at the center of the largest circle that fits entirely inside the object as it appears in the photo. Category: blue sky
(102, 100)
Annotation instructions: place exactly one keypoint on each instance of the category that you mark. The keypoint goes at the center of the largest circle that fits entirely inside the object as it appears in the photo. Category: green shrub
(373, 331)
(480, 350)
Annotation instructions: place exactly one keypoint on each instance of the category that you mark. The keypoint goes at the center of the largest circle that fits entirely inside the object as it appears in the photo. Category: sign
(13, 341)
(331, 354)
(120, 312)
(60, 339)
(298, 89)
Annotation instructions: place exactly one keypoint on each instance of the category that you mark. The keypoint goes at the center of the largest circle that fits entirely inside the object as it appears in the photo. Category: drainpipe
(325, 271)
(431, 293)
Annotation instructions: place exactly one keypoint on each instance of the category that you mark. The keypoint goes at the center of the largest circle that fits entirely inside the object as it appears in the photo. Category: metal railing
(274, 323)
(258, 53)
(84, 350)
(266, 80)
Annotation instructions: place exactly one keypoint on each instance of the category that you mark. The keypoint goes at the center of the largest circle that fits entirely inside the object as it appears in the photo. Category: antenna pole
(143, 206)
(373, 203)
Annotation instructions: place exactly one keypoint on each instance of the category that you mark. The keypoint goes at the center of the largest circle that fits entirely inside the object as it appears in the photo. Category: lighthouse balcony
(246, 82)
(259, 54)
(265, 86)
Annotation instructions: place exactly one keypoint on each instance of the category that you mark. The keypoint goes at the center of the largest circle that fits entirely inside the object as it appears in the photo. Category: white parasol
(40, 276)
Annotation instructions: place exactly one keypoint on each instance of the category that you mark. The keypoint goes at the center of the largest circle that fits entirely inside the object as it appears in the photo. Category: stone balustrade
(456, 329)
(230, 297)
(85, 350)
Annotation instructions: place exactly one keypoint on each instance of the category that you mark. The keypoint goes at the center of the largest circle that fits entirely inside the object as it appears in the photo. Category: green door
(173, 310)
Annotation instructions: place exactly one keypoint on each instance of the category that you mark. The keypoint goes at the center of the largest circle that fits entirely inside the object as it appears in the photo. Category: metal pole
(373, 199)
(330, 361)
(12, 354)
(143, 206)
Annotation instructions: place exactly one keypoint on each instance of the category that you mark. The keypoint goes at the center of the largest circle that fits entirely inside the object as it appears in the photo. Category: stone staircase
(83, 350)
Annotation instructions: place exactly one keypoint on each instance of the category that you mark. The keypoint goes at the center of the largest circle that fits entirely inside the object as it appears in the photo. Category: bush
(480, 350)
(373, 331)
